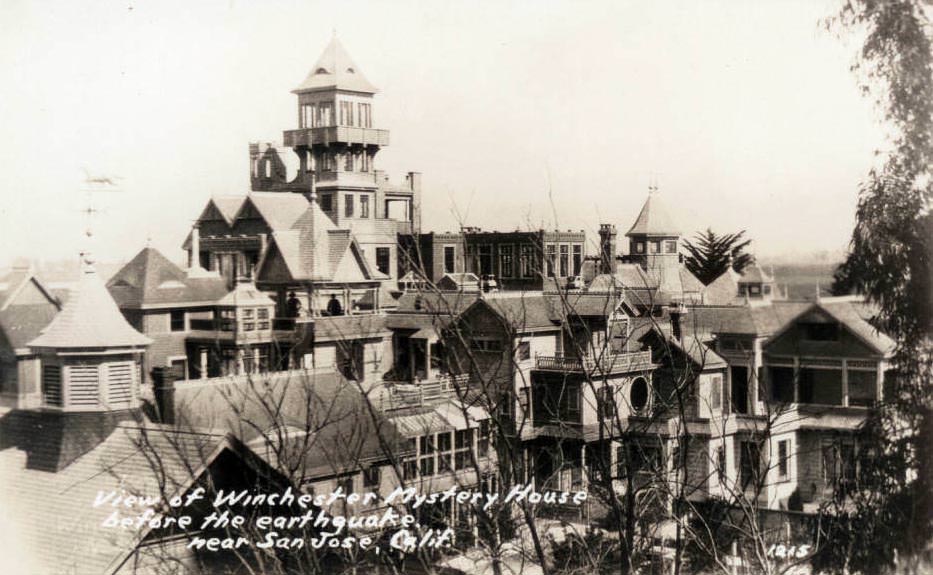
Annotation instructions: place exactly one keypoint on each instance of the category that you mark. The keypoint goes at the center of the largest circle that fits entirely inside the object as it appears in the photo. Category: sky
(518, 114)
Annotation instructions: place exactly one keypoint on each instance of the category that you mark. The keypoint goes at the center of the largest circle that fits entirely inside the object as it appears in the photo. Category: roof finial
(652, 182)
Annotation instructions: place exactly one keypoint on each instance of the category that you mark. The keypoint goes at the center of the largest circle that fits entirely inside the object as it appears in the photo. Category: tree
(889, 262)
(711, 255)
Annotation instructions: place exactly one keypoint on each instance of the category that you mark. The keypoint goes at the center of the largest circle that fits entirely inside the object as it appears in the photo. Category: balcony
(405, 394)
(336, 135)
(605, 364)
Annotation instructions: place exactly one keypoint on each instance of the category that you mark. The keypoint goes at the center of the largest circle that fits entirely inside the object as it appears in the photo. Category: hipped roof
(89, 319)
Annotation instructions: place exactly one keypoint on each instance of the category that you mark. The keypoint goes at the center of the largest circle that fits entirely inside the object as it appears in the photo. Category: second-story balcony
(336, 135)
(607, 363)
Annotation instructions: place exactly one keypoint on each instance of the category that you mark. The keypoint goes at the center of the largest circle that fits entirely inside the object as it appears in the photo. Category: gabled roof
(89, 319)
(224, 207)
(245, 294)
(313, 249)
(280, 210)
(51, 511)
(853, 315)
(341, 434)
(757, 321)
(525, 313)
(26, 308)
(654, 219)
(335, 69)
(151, 280)
(753, 273)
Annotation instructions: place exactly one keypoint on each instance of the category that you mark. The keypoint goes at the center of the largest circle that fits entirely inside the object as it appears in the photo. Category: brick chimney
(607, 248)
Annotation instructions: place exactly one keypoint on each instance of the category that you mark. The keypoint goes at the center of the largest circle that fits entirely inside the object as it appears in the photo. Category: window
(327, 202)
(177, 320)
(639, 247)
(782, 384)
(326, 112)
(365, 115)
(606, 403)
(716, 391)
(523, 351)
(505, 261)
(862, 387)
(550, 259)
(383, 259)
(820, 331)
(444, 453)
(670, 246)
(346, 113)
(564, 260)
(573, 398)
(371, 476)
(463, 445)
(348, 162)
(754, 289)
(365, 162)
(482, 445)
(450, 254)
(410, 469)
(638, 395)
(750, 462)
(348, 205)
(527, 261)
(364, 206)
(766, 289)
(577, 258)
(721, 461)
(262, 317)
(783, 458)
(485, 259)
(654, 247)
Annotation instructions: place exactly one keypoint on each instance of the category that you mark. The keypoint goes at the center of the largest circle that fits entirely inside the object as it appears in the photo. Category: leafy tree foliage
(889, 261)
(710, 254)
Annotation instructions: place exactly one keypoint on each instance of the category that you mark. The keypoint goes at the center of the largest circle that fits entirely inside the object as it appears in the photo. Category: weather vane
(94, 184)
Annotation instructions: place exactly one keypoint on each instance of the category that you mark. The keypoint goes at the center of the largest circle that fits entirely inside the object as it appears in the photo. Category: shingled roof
(341, 432)
(89, 319)
(335, 69)
(26, 308)
(313, 249)
(54, 526)
(654, 219)
(151, 280)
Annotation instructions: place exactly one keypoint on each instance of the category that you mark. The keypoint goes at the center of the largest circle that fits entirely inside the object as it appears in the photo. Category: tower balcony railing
(605, 363)
(336, 135)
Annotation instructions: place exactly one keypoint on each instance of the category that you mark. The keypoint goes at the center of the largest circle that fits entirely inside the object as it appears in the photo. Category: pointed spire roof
(335, 70)
(654, 219)
(89, 319)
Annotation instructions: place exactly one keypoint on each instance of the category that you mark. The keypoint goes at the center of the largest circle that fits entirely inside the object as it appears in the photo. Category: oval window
(638, 396)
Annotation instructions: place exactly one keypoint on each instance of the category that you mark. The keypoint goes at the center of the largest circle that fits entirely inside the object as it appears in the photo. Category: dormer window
(321, 71)
(351, 71)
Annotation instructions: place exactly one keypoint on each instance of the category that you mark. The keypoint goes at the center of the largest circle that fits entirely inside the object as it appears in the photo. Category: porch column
(412, 365)
(879, 382)
(256, 359)
(427, 359)
(203, 362)
(239, 361)
(796, 380)
(310, 293)
(845, 383)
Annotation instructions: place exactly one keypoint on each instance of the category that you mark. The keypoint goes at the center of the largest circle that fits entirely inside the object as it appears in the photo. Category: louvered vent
(83, 385)
(52, 385)
(120, 383)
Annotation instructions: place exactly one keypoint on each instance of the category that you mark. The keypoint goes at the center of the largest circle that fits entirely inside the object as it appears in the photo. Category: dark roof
(337, 430)
(435, 303)
(760, 321)
(654, 219)
(20, 324)
(855, 315)
(151, 280)
(335, 69)
(58, 529)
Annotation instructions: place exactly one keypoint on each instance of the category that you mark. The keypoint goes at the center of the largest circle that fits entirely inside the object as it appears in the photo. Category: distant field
(801, 279)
